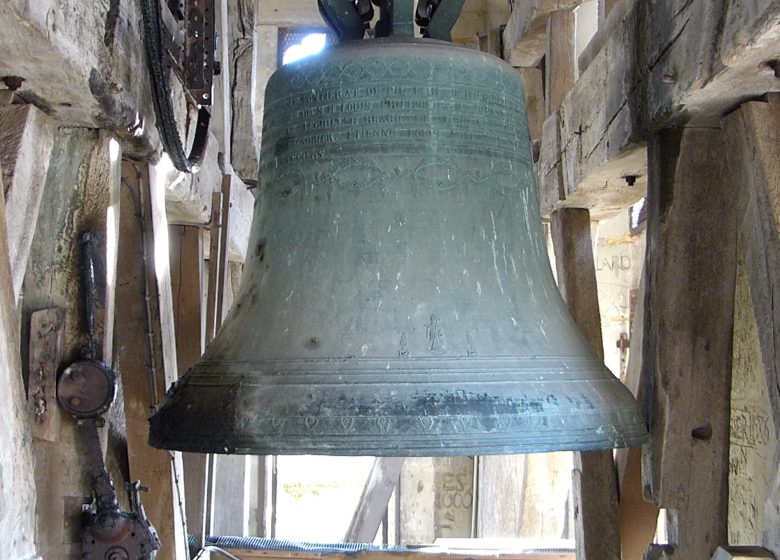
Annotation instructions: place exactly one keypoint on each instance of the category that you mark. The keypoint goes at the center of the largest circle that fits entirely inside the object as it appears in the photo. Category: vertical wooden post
(222, 266)
(595, 485)
(17, 485)
(637, 518)
(754, 134)
(26, 143)
(140, 357)
(560, 62)
(689, 312)
(214, 285)
(186, 253)
(372, 506)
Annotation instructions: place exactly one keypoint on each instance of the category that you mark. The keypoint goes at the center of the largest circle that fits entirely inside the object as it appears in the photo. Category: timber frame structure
(673, 101)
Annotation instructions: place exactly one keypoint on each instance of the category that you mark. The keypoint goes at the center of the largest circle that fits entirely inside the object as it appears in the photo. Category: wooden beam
(371, 508)
(245, 554)
(91, 72)
(244, 140)
(186, 243)
(222, 267)
(26, 142)
(742, 553)
(214, 285)
(140, 356)
(114, 184)
(689, 311)
(46, 336)
(17, 485)
(231, 499)
(594, 484)
(755, 472)
(533, 80)
(560, 66)
(81, 160)
(525, 40)
(637, 518)
(662, 64)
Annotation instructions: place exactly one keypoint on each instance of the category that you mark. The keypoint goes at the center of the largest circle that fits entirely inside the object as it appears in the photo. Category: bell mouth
(399, 407)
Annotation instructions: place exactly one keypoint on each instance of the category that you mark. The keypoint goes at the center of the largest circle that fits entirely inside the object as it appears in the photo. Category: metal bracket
(199, 50)
(437, 17)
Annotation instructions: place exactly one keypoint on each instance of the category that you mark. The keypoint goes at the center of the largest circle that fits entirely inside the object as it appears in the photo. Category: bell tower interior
(390, 279)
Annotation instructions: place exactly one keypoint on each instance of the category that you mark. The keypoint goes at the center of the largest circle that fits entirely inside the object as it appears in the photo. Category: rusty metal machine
(397, 298)
(86, 390)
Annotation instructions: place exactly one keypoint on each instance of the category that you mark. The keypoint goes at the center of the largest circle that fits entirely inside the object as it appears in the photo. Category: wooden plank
(17, 485)
(140, 355)
(501, 495)
(245, 554)
(663, 63)
(114, 183)
(222, 269)
(752, 131)
(244, 140)
(170, 369)
(525, 40)
(559, 63)
(230, 501)
(89, 72)
(46, 335)
(26, 142)
(214, 287)
(80, 160)
(689, 310)
(742, 553)
(186, 253)
(533, 80)
(637, 518)
(162, 272)
(371, 508)
(594, 487)
(753, 439)
(453, 504)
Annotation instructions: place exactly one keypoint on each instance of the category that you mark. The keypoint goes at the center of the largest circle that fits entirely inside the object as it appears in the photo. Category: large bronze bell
(398, 299)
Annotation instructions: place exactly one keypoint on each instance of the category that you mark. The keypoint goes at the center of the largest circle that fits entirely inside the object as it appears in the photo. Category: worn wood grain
(560, 66)
(533, 80)
(244, 554)
(663, 63)
(637, 518)
(26, 142)
(524, 37)
(244, 141)
(46, 336)
(594, 487)
(754, 135)
(76, 198)
(502, 482)
(186, 255)
(214, 285)
(689, 308)
(382, 480)
(18, 492)
(82, 64)
(140, 355)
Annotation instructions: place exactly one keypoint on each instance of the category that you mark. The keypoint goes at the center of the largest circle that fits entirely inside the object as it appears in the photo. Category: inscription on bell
(333, 120)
